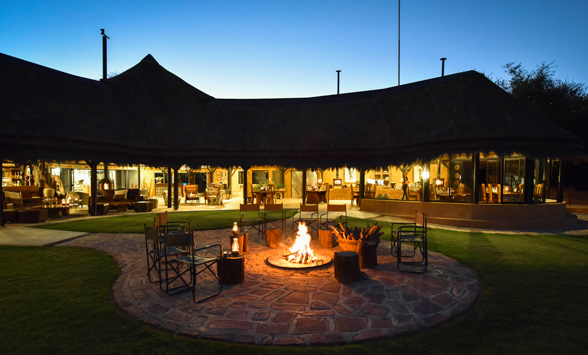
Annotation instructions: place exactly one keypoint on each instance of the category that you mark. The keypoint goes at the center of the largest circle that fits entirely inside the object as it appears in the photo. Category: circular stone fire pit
(282, 261)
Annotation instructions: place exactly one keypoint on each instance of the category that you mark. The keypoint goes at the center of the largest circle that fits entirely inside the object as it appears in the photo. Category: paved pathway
(292, 307)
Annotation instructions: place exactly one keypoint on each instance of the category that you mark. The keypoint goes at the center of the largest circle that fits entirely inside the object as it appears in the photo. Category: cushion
(12, 194)
(108, 194)
(120, 195)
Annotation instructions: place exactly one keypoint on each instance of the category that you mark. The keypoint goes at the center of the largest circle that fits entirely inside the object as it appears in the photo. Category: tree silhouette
(561, 102)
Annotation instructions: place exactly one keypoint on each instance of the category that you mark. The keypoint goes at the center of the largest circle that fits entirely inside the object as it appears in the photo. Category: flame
(300, 252)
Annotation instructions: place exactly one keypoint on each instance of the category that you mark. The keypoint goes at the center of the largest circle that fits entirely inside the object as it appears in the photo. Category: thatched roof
(148, 115)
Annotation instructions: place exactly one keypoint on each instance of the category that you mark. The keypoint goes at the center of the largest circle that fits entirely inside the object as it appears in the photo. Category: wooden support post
(476, 178)
(326, 238)
(176, 195)
(169, 187)
(304, 186)
(361, 186)
(92, 209)
(245, 184)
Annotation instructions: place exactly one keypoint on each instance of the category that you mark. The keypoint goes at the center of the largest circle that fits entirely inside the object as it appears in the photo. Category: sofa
(126, 197)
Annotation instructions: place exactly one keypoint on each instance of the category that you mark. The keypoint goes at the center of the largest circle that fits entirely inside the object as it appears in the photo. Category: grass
(56, 299)
(133, 223)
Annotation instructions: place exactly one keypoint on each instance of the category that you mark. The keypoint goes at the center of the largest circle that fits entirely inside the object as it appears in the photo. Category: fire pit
(300, 255)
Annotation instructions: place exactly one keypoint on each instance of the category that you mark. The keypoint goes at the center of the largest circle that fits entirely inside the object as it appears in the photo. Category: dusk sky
(284, 48)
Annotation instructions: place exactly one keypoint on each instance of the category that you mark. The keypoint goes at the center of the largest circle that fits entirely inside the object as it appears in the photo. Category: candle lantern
(235, 247)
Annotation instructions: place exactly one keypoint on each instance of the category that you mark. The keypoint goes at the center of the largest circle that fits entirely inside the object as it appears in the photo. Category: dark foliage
(562, 102)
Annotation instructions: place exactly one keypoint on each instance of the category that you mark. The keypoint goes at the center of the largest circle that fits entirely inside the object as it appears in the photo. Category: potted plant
(350, 238)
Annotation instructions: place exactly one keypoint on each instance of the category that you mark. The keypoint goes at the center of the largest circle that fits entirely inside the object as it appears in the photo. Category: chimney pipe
(443, 66)
(338, 72)
(104, 38)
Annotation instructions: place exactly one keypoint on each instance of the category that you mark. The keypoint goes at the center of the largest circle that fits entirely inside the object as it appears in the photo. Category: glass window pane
(514, 179)
(451, 178)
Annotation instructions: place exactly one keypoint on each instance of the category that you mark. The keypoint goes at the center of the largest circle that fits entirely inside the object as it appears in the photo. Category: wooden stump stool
(368, 256)
(232, 269)
(326, 238)
(347, 267)
(273, 238)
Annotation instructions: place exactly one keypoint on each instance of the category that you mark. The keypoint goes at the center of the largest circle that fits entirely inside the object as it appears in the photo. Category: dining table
(262, 196)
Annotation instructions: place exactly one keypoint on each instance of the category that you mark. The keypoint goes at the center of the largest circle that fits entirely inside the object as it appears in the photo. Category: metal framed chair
(163, 225)
(153, 251)
(309, 214)
(333, 212)
(184, 270)
(158, 255)
(409, 245)
(274, 217)
(251, 218)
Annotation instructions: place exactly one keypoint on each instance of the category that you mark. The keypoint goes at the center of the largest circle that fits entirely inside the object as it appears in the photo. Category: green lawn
(134, 223)
(534, 301)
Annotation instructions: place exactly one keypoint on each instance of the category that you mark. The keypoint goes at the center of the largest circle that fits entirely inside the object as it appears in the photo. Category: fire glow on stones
(299, 255)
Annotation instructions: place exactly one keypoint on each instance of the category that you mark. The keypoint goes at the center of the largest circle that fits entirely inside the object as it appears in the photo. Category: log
(232, 269)
(347, 267)
(273, 238)
(326, 238)
(368, 256)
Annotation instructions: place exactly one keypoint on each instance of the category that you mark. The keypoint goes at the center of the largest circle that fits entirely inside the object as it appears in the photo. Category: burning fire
(300, 252)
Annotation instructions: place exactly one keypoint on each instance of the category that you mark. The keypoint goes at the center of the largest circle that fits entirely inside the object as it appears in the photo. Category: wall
(491, 216)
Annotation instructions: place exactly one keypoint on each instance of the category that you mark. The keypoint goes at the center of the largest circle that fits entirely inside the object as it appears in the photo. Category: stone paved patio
(292, 307)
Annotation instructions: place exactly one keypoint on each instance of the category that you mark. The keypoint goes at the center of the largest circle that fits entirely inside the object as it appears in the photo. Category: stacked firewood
(368, 234)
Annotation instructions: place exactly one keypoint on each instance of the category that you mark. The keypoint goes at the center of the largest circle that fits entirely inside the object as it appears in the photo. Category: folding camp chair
(274, 217)
(327, 220)
(153, 251)
(251, 218)
(163, 225)
(309, 215)
(409, 243)
(183, 270)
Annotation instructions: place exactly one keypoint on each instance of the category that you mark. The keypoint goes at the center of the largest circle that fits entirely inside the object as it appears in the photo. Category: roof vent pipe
(104, 38)
(338, 72)
(443, 66)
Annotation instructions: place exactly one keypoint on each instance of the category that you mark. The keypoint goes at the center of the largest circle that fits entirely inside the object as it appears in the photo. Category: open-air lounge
(432, 129)
(460, 174)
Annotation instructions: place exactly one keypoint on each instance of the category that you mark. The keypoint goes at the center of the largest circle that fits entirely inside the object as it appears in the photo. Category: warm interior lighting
(425, 175)
(235, 228)
(300, 252)
(105, 186)
(439, 182)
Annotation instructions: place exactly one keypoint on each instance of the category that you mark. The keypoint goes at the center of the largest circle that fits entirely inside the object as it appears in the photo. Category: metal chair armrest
(220, 249)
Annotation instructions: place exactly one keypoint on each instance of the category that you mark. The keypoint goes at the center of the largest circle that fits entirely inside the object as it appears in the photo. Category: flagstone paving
(292, 307)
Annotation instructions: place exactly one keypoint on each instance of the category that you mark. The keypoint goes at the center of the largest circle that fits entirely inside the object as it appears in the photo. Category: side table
(232, 269)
